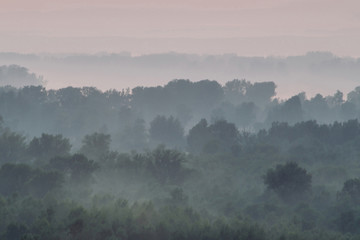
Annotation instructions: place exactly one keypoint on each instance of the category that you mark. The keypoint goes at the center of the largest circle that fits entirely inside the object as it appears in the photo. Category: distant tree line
(133, 116)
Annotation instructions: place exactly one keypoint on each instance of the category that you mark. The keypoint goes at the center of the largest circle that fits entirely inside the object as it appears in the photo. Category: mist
(293, 74)
(179, 120)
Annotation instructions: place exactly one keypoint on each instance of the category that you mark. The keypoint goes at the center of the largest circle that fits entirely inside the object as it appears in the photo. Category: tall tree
(48, 146)
(167, 130)
(289, 181)
(96, 146)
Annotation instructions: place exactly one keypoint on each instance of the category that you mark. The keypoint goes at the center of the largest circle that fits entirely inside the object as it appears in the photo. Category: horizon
(133, 54)
(292, 74)
(265, 29)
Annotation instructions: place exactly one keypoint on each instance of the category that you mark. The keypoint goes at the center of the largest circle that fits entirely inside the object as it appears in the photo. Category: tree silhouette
(289, 181)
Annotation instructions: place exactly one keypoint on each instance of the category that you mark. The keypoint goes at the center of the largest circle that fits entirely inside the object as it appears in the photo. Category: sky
(243, 27)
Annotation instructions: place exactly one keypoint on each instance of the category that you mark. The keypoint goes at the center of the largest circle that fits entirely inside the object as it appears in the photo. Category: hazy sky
(244, 27)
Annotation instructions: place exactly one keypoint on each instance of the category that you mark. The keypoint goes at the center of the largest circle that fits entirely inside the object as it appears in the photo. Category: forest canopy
(187, 160)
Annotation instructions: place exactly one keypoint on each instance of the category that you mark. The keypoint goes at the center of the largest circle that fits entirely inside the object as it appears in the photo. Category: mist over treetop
(180, 104)
(17, 76)
(292, 74)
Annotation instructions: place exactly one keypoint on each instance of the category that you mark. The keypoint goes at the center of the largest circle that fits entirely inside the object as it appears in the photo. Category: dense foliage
(289, 181)
(175, 178)
(133, 116)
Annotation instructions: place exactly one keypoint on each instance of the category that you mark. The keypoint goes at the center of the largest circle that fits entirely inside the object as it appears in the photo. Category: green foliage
(289, 181)
(351, 191)
(96, 146)
(15, 231)
(290, 111)
(14, 177)
(199, 96)
(44, 182)
(48, 146)
(245, 114)
(213, 192)
(219, 137)
(22, 179)
(134, 136)
(348, 221)
(167, 165)
(178, 197)
(243, 91)
(12, 147)
(166, 131)
(78, 166)
(198, 136)
(331, 134)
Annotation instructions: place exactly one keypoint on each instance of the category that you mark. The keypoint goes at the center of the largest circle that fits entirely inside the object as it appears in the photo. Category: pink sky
(263, 27)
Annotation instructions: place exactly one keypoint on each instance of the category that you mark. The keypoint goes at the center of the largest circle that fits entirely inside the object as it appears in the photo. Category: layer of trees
(133, 116)
(204, 179)
(234, 184)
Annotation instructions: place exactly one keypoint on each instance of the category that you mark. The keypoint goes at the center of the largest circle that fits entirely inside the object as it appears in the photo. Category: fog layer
(315, 72)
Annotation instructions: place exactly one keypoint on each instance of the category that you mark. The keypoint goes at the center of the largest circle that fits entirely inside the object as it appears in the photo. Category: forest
(186, 160)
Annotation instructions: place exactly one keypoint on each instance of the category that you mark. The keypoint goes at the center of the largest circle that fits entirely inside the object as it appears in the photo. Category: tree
(198, 136)
(15, 231)
(290, 111)
(48, 146)
(245, 114)
(351, 191)
(354, 96)
(261, 92)
(133, 137)
(43, 182)
(178, 197)
(318, 108)
(226, 136)
(167, 131)
(218, 137)
(22, 179)
(235, 90)
(78, 166)
(348, 110)
(166, 165)
(12, 146)
(289, 181)
(96, 146)
(18, 76)
(336, 100)
(13, 178)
